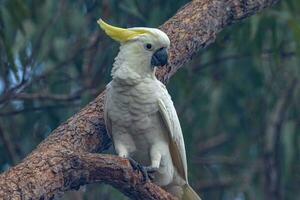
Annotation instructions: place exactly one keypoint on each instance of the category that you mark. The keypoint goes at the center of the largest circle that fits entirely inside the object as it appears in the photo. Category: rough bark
(66, 159)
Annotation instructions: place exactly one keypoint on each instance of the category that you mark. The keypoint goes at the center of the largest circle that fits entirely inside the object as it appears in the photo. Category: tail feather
(189, 193)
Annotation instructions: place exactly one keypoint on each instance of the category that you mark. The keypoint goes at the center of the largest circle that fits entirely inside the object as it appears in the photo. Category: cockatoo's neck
(131, 66)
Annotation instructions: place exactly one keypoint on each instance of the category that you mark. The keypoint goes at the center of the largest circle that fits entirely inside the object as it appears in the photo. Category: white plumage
(139, 113)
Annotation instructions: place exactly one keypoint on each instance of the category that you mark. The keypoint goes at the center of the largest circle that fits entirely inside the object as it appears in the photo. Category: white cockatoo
(139, 114)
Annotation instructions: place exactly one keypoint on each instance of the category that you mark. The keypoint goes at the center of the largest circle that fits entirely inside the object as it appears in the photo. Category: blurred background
(237, 100)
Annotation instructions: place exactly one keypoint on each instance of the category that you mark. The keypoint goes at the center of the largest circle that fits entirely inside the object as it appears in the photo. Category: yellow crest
(120, 34)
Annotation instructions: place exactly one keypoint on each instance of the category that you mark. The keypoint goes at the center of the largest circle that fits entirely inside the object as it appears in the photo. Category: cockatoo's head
(142, 49)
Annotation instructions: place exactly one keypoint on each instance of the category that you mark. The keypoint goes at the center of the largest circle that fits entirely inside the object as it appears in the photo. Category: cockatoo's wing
(107, 121)
(170, 118)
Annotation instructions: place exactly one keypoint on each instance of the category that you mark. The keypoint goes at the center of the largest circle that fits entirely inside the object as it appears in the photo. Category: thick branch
(69, 170)
(63, 161)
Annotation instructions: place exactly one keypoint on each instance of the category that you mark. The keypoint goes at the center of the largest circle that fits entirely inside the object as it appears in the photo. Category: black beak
(160, 57)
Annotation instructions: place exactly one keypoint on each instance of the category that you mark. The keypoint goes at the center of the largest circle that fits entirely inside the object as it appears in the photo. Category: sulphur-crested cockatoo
(139, 113)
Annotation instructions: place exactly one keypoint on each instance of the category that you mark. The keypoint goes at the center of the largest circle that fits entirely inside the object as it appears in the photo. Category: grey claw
(151, 169)
(135, 165)
(146, 171)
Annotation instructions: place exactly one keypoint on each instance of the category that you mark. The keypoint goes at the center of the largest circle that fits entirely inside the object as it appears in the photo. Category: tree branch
(272, 143)
(64, 160)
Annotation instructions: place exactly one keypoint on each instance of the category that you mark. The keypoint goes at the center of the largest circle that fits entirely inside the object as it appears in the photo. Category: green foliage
(54, 60)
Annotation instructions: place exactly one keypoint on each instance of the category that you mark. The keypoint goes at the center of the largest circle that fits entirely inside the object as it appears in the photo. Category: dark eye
(148, 46)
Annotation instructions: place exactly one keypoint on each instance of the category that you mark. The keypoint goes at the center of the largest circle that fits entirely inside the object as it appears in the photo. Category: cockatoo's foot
(150, 169)
(146, 171)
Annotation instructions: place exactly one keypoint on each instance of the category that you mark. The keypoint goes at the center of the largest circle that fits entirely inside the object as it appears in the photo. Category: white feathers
(140, 115)
(156, 35)
(134, 61)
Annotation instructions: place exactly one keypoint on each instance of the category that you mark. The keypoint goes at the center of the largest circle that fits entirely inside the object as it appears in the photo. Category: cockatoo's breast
(132, 104)
(134, 113)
